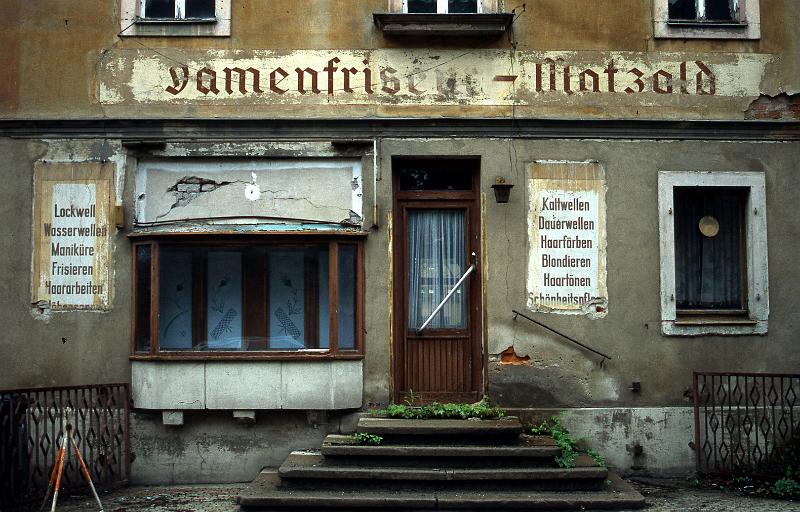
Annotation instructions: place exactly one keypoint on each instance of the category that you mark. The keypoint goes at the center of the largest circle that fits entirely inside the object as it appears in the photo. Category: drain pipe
(375, 164)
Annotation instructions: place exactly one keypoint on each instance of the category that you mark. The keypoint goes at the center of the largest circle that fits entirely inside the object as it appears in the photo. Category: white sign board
(567, 241)
(72, 230)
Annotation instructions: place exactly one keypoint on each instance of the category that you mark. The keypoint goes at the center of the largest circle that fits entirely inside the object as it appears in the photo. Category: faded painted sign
(567, 238)
(322, 192)
(482, 78)
(73, 206)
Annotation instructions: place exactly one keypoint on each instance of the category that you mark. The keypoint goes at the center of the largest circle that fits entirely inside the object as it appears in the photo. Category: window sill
(244, 356)
(456, 25)
(708, 24)
(182, 21)
(694, 326)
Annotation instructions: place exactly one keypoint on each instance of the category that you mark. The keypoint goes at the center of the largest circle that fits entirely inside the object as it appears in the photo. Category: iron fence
(33, 424)
(745, 422)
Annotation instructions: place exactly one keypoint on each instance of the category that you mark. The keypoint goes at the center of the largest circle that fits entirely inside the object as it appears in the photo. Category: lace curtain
(436, 261)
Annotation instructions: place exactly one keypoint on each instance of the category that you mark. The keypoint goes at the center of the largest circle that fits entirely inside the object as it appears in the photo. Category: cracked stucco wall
(324, 190)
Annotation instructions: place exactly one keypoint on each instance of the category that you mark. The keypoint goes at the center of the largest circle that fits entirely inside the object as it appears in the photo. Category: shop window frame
(192, 240)
(747, 24)
(134, 23)
(753, 319)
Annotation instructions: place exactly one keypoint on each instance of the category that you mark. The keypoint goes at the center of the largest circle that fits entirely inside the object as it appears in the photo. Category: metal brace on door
(449, 294)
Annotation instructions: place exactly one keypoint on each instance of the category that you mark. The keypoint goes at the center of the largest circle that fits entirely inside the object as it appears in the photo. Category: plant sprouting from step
(565, 441)
(364, 438)
(478, 410)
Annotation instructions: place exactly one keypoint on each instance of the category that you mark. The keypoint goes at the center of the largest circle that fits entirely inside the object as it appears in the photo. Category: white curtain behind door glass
(436, 261)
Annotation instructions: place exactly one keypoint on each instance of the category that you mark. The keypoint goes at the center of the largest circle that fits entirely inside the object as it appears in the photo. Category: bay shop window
(247, 296)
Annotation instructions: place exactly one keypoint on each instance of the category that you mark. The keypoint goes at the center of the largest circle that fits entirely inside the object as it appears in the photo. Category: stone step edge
(312, 465)
(400, 427)
(263, 492)
(336, 445)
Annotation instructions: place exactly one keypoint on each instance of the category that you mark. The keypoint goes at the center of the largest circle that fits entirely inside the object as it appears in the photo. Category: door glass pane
(462, 6)
(436, 261)
(422, 6)
(159, 9)
(435, 175)
(199, 9)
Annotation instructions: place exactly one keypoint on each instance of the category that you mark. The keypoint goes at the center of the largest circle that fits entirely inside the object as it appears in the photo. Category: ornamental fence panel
(746, 422)
(33, 425)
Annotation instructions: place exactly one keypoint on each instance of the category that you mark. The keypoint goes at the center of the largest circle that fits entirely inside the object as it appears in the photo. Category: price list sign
(567, 238)
(73, 204)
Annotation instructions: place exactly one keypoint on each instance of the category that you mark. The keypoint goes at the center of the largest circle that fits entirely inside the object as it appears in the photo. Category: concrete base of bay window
(247, 385)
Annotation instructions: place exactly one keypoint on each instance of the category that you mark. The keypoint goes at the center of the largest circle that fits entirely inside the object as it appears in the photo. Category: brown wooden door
(437, 234)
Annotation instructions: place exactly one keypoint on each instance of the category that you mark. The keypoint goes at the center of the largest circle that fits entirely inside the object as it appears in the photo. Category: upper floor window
(704, 10)
(175, 18)
(707, 19)
(442, 6)
(178, 9)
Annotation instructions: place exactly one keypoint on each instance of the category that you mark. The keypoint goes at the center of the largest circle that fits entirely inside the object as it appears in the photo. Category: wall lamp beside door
(502, 190)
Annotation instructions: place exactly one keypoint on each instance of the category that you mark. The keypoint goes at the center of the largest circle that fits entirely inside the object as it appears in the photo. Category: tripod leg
(85, 472)
(58, 475)
(59, 455)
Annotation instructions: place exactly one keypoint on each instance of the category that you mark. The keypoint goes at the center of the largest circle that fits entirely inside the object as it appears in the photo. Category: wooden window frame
(180, 13)
(333, 242)
(442, 7)
(745, 26)
(701, 314)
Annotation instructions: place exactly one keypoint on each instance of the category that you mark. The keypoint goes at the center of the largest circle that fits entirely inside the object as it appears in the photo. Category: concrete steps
(437, 465)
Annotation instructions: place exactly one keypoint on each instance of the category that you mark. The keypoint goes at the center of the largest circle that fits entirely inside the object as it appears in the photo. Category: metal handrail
(573, 340)
(447, 297)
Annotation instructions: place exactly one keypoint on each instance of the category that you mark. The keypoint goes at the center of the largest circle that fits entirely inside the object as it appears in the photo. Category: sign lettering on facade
(389, 77)
(567, 240)
(72, 234)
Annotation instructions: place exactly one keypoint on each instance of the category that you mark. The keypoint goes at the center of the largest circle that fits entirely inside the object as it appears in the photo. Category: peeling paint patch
(509, 356)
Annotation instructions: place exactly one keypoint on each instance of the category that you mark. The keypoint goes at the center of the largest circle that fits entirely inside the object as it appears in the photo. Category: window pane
(143, 255)
(435, 175)
(436, 261)
(708, 266)
(347, 297)
(175, 299)
(298, 298)
(159, 9)
(422, 6)
(719, 10)
(682, 10)
(224, 300)
(462, 6)
(199, 9)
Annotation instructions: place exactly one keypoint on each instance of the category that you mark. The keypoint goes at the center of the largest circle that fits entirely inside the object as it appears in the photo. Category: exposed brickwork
(780, 107)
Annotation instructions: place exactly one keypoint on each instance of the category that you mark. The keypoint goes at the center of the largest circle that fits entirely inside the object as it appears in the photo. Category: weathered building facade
(248, 209)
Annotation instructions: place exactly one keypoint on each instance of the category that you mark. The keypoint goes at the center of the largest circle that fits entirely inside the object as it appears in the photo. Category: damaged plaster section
(781, 107)
(322, 192)
(188, 188)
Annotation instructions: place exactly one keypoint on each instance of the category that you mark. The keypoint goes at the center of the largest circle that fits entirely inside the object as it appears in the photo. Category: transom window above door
(442, 6)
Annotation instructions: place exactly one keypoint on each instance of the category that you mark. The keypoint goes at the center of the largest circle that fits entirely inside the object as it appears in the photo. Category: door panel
(436, 232)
